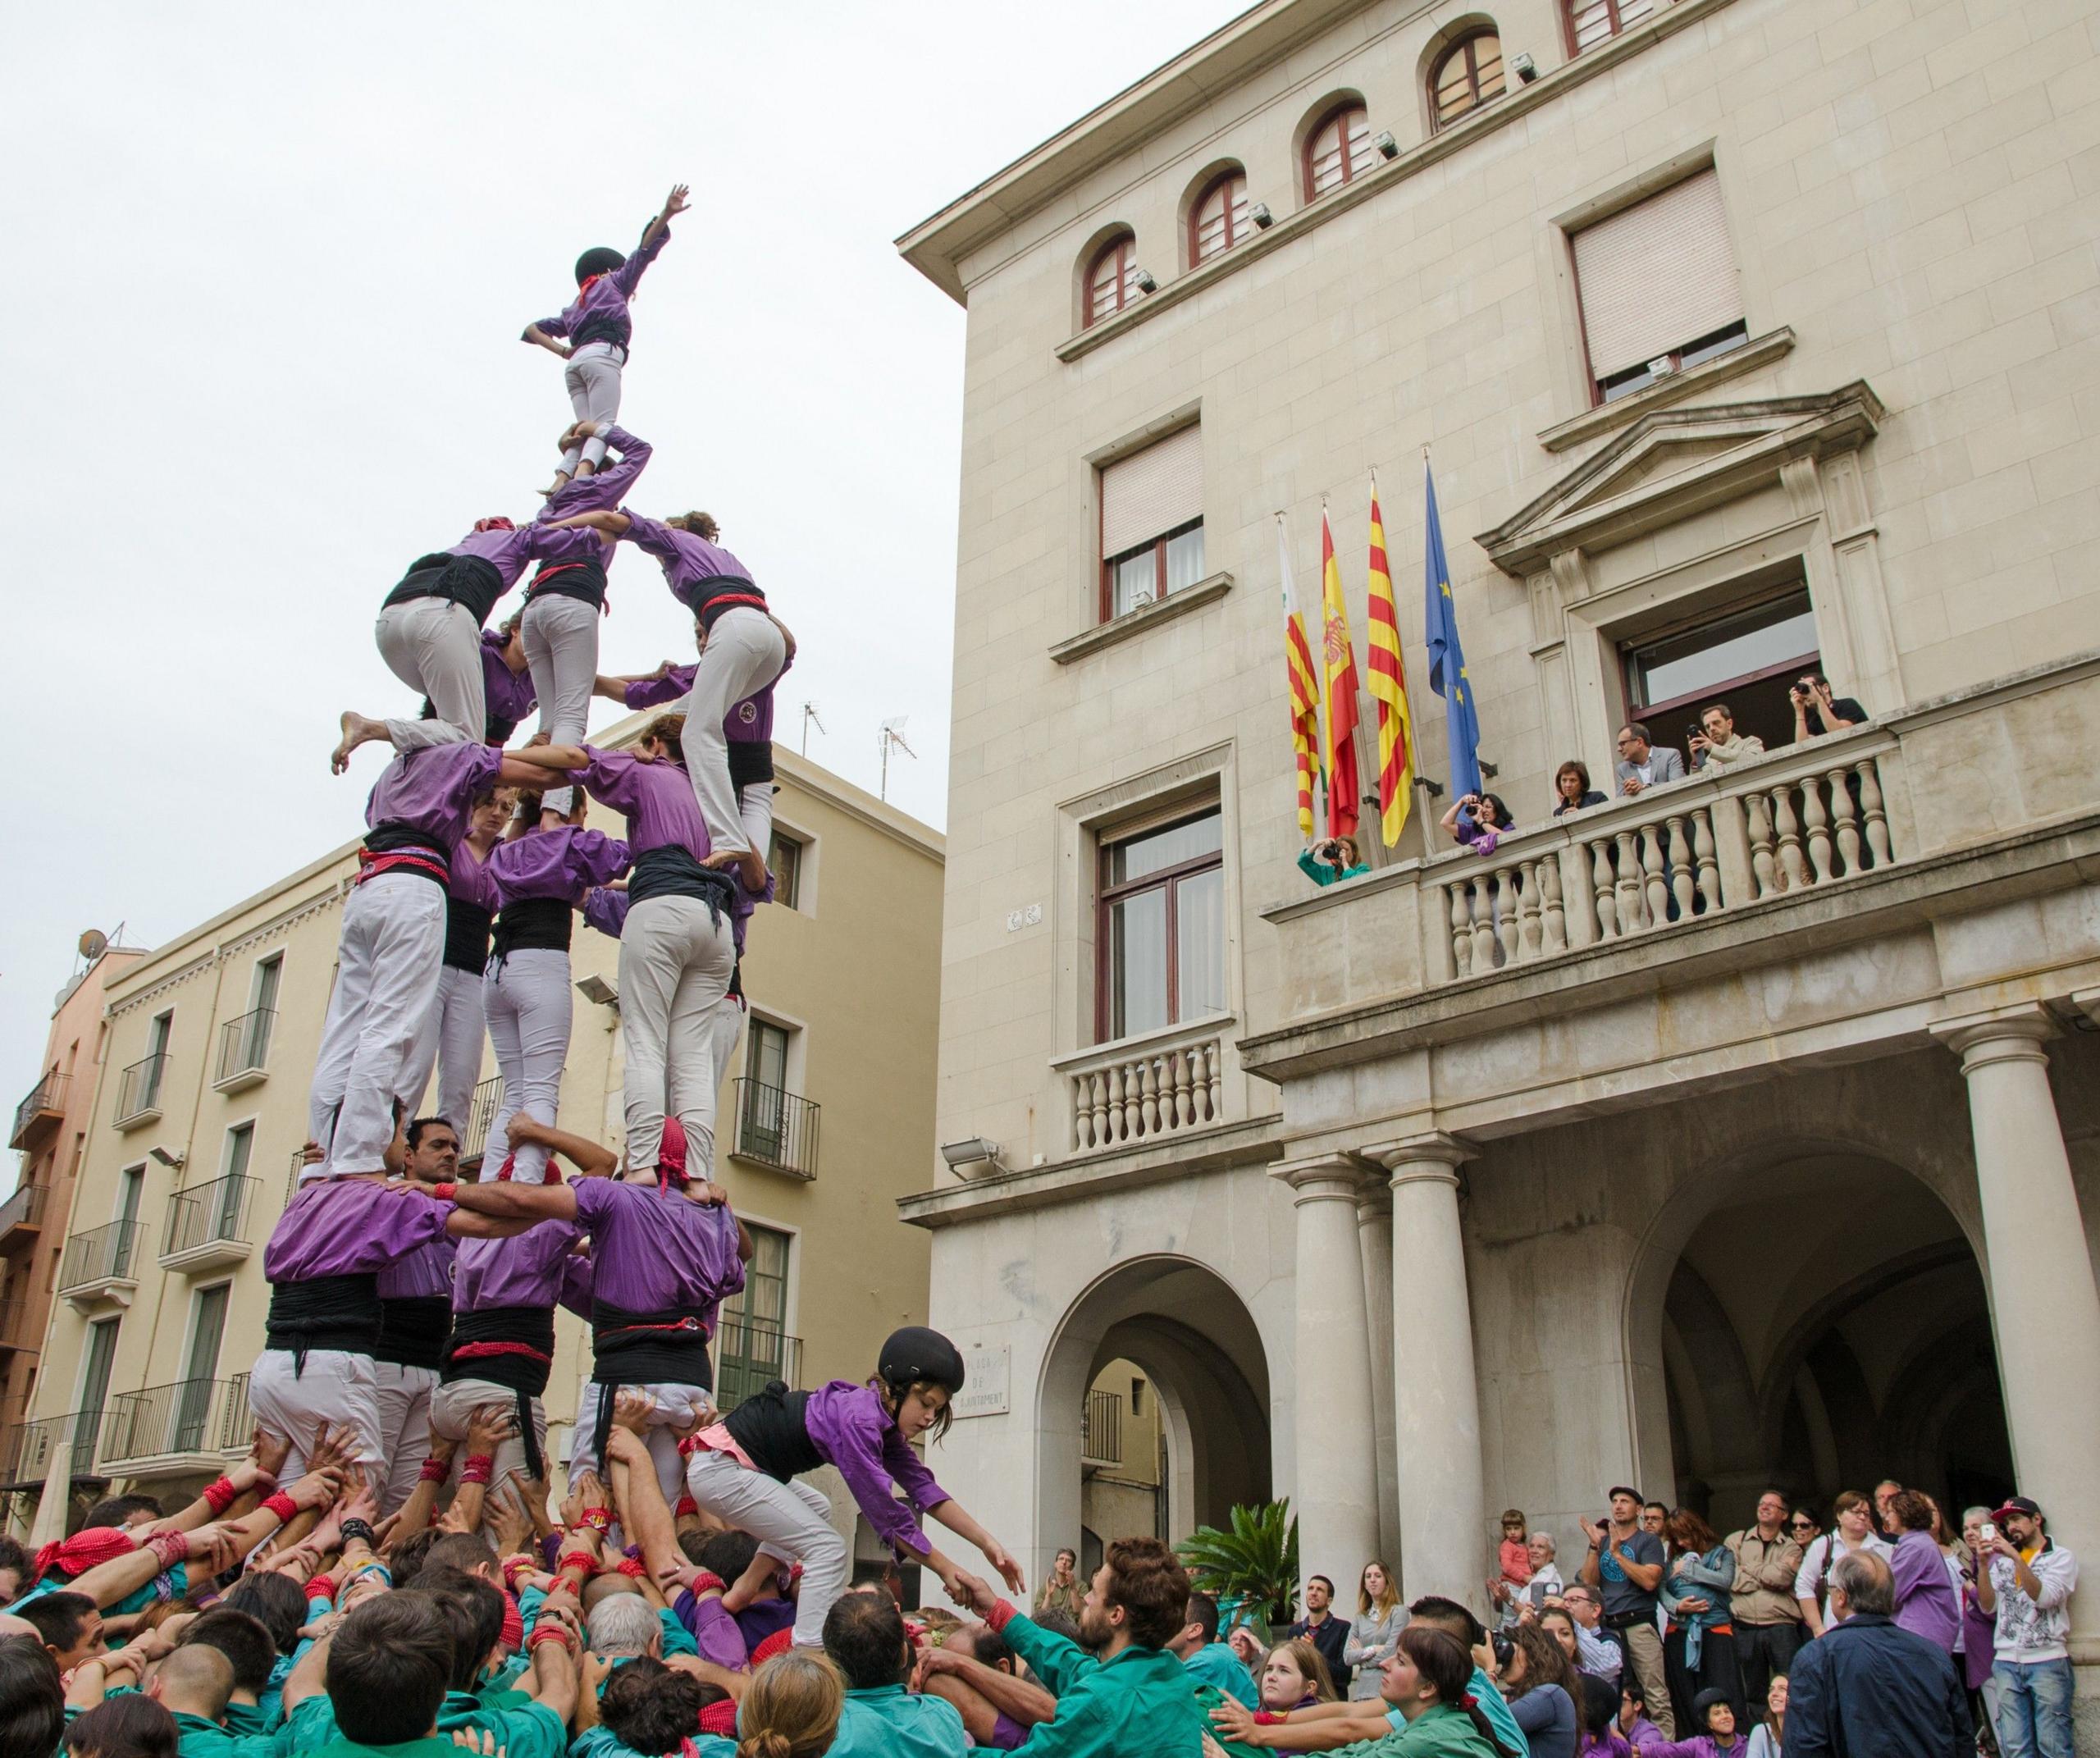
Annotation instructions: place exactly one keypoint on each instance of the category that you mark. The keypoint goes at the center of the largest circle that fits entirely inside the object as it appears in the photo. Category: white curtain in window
(1148, 493)
(1656, 276)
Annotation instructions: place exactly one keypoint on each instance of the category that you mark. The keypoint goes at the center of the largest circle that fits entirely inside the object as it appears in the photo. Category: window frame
(1223, 181)
(1350, 170)
(1636, 379)
(1157, 545)
(791, 893)
(1464, 45)
(1107, 895)
(1569, 8)
(1123, 248)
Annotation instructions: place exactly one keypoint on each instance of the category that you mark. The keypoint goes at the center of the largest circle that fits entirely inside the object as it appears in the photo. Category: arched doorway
(1172, 1337)
(1815, 1321)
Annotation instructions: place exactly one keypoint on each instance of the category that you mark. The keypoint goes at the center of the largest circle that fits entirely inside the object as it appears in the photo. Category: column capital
(1374, 1204)
(1323, 1178)
(1433, 1155)
(2087, 1001)
(2007, 1035)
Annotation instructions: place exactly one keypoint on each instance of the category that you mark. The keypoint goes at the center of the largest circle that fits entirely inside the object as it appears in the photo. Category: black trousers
(1765, 1651)
(1716, 1671)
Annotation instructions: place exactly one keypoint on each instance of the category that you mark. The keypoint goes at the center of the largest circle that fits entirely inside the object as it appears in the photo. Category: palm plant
(1253, 1567)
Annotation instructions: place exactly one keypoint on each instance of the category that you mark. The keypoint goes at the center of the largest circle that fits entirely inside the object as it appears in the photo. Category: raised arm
(653, 237)
(607, 520)
(588, 1156)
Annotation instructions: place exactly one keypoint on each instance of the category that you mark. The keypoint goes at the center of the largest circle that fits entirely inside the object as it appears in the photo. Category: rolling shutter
(1656, 276)
(1149, 493)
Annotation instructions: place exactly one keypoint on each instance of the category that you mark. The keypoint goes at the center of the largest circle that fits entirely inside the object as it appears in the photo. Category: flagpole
(1428, 850)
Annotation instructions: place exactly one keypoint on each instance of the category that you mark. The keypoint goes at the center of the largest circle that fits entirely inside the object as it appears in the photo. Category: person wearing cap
(746, 1470)
(2025, 1580)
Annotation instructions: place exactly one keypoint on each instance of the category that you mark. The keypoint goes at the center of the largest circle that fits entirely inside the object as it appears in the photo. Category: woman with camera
(1334, 858)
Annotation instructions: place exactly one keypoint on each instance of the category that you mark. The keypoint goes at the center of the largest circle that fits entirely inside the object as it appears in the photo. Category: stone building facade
(1745, 1130)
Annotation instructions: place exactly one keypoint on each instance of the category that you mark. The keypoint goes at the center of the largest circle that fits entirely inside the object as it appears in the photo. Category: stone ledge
(1759, 351)
(1146, 617)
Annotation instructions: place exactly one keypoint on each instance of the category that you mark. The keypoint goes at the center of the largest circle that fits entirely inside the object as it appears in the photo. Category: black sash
(471, 581)
(525, 1374)
(750, 760)
(603, 327)
(328, 1312)
(640, 1348)
(544, 924)
(771, 1427)
(713, 597)
(673, 871)
(466, 935)
(583, 579)
(390, 836)
(413, 1329)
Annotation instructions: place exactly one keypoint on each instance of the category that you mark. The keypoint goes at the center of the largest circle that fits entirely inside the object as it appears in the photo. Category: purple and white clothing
(415, 1302)
(507, 696)
(748, 730)
(452, 1033)
(606, 487)
(599, 327)
(504, 1293)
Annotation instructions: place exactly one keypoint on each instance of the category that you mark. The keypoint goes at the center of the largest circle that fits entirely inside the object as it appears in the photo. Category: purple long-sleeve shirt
(604, 301)
(432, 790)
(564, 863)
(1925, 1604)
(509, 695)
(350, 1227)
(848, 1426)
(714, 1632)
(603, 489)
(470, 882)
(422, 1274)
(656, 799)
(508, 551)
(749, 721)
(688, 561)
(605, 910)
(526, 1270)
(658, 1250)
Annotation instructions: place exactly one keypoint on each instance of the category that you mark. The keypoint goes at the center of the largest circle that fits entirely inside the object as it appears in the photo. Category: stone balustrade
(1142, 1089)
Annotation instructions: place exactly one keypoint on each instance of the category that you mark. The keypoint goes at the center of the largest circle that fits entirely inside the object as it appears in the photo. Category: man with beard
(1118, 1689)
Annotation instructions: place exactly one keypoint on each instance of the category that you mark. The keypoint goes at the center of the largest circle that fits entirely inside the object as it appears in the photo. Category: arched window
(1338, 150)
(1591, 22)
(1111, 278)
(1219, 220)
(1468, 75)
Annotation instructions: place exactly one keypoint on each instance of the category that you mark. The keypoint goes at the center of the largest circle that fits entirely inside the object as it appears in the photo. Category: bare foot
(358, 730)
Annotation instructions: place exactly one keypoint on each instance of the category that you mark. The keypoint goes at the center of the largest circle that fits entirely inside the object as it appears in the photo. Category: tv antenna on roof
(893, 734)
(808, 714)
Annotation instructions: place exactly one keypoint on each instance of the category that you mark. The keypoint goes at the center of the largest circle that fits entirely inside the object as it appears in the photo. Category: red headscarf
(77, 1556)
(671, 1156)
(497, 523)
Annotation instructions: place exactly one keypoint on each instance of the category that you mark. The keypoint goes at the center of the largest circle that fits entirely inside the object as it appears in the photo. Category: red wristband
(552, 1632)
(479, 1469)
(283, 1506)
(171, 1548)
(220, 1497)
(321, 1587)
(581, 1560)
(708, 1582)
(634, 1566)
(515, 1566)
(686, 1505)
(445, 1192)
(598, 1519)
(435, 1470)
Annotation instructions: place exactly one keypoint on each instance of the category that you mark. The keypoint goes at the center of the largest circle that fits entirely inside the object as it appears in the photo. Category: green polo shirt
(200, 1738)
(1140, 1701)
(889, 1721)
(1216, 1665)
(601, 1742)
(438, 1745)
(525, 1730)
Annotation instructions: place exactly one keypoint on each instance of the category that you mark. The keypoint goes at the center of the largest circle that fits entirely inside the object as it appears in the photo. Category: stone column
(1374, 1239)
(1435, 1389)
(1337, 1454)
(2045, 1308)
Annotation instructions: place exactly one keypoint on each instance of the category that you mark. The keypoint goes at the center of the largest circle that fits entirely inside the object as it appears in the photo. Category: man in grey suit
(1642, 765)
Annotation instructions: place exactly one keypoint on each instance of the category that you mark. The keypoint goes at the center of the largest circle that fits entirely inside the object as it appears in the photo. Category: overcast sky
(270, 263)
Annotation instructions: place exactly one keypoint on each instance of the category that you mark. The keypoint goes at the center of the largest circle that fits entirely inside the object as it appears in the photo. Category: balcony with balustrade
(481, 1115)
(170, 1431)
(30, 1450)
(749, 1355)
(776, 1128)
(21, 1216)
(244, 1049)
(138, 1091)
(102, 1265)
(207, 1226)
(38, 1115)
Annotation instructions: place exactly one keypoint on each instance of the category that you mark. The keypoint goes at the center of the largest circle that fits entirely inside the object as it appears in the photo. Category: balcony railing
(186, 1417)
(777, 1128)
(28, 1450)
(1101, 1429)
(22, 1214)
(139, 1090)
(480, 1115)
(40, 1113)
(105, 1255)
(1138, 1090)
(208, 1221)
(12, 1312)
(750, 1357)
(243, 1047)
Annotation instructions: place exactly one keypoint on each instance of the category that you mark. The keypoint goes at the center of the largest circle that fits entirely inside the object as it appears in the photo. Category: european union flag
(1447, 659)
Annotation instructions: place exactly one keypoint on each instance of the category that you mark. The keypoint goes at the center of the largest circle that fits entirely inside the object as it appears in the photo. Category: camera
(1504, 1648)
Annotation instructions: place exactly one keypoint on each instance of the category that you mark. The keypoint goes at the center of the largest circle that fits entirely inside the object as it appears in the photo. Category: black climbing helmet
(600, 260)
(914, 1355)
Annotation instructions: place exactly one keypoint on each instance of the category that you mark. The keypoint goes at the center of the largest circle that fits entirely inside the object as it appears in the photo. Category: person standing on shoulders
(1767, 1617)
(1324, 1630)
(1626, 1562)
(2025, 1580)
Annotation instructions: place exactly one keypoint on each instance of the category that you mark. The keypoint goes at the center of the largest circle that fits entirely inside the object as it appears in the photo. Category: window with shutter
(1338, 150)
(1219, 221)
(1151, 523)
(1112, 280)
(1469, 74)
(1658, 286)
(1591, 22)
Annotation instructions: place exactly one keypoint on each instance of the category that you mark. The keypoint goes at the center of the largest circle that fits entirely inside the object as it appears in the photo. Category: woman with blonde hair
(1295, 1676)
(1374, 1632)
(792, 1707)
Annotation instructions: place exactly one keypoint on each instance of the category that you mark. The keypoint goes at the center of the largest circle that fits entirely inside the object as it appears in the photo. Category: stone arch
(1098, 240)
(1342, 97)
(1452, 30)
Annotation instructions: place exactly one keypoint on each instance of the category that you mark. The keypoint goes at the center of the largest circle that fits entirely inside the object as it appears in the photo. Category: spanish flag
(1304, 687)
(1340, 656)
(1389, 689)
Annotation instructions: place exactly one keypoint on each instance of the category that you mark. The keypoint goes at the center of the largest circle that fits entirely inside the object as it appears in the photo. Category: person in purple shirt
(451, 1041)
(1926, 1604)
(743, 650)
(392, 946)
(665, 1252)
(540, 877)
(747, 1472)
(593, 331)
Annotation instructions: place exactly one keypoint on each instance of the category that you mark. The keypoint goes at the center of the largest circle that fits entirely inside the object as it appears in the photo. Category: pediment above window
(1675, 462)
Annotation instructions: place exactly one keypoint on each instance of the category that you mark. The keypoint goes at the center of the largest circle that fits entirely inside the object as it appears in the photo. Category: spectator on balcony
(1335, 858)
(1572, 790)
(1642, 765)
(1816, 712)
(1717, 745)
(1478, 822)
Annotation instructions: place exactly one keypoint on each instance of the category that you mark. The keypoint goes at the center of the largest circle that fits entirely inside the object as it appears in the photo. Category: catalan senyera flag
(1339, 654)
(1389, 689)
(1304, 687)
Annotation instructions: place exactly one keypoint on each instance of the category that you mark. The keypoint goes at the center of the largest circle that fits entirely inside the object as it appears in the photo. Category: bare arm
(604, 520)
(591, 1158)
(643, 1513)
(460, 1225)
(516, 1202)
(1017, 1699)
(539, 338)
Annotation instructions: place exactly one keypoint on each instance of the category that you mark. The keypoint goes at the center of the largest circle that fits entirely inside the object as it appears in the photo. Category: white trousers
(745, 652)
(452, 1408)
(561, 646)
(725, 1031)
(791, 1522)
(675, 960)
(406, 736)
(676, 1408)
(404, 1396)
(593, 378)
(387, 964)
(450, 1043)
(529, 1005)
(434, 646)
(336, 1388)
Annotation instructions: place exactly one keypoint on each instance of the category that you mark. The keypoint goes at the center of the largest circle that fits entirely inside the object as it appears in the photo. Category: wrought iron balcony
(28, 1450)
(138, 1091)
(102, 1262)
(750, 1357)
(243, 1047)
(39, 1115)
(207, 1225)
(480, 1115)
(776, 1128)
(21, 1216)
(1101, 1429)
(12, 1312)
(169, 1426)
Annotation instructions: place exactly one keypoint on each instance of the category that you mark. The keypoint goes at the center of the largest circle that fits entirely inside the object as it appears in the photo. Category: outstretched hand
(970, 1592)
(675, 204)
(1001, 1559)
